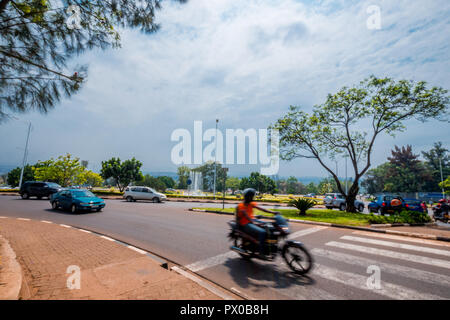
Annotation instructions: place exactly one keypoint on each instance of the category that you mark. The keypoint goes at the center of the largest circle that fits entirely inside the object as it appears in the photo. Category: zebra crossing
(403, 263)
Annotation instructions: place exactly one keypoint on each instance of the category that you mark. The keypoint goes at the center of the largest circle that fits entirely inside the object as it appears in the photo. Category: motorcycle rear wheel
(297, 258)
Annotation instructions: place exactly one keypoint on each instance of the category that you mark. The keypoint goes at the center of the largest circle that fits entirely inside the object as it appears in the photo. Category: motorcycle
(441, 214)
(294, 253)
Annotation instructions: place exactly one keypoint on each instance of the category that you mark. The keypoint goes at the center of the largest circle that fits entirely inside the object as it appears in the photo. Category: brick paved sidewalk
(108, 270)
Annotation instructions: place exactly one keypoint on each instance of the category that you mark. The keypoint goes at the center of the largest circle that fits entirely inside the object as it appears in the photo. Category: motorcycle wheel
(297, 258)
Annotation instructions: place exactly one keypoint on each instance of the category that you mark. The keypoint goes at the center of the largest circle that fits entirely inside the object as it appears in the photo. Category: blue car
(382, 204)
(76, 200)
(413, 205)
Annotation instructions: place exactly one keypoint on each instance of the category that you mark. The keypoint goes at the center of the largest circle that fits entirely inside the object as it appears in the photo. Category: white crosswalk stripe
(305, 232)
(391, 254)
(398, 245)
(404, 271)
(405, 239)
(389, 290)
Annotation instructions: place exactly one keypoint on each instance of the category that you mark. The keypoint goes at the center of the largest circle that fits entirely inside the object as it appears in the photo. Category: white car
(143, 193)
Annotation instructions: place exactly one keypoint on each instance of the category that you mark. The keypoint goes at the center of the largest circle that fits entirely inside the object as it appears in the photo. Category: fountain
(196, 186)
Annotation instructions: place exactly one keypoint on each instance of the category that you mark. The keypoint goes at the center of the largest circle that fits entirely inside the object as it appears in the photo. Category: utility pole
(25, 155)
(215, 162)
(442, 179)
(346, 188)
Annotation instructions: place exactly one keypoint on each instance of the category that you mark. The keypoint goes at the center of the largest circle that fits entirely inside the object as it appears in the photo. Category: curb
(11, 275)
(371, 229)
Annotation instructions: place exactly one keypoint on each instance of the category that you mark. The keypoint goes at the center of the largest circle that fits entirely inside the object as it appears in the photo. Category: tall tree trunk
(351, 196)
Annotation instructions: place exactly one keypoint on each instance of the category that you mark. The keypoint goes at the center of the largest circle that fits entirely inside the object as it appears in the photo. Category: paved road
(409, 267)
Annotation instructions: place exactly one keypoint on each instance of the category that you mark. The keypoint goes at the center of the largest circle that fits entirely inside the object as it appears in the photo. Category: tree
(90, 178)
(65, 170)
(350, 121)
(207, 171)
(445, 185)
(312, 188)
(14, 175)
(375, 179)
(232, 183)
(167, 181)
(259, 182)
(152, 182)
(123, 172)
(432, 162)
(183, 176)
(37, 41)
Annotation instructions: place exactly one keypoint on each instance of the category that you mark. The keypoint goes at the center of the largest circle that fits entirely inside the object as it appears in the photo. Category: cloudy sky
(245, 63)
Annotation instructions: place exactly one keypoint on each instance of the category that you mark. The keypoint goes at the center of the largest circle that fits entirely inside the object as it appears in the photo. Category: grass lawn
(319, 215)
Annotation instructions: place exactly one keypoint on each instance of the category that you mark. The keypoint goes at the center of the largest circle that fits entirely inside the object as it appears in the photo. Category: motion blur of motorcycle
(441, 211)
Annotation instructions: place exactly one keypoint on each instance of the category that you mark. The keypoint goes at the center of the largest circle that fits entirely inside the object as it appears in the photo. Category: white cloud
(244, 62)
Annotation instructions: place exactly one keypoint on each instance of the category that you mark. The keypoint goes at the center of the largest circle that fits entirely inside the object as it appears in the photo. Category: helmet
(249, 194)
(442, 201)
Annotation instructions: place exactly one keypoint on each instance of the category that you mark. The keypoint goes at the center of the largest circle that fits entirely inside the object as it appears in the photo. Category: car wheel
(129, 198)
(55, 205)
(156, 200)
(39, 197)
(99, 209)
(342, 207)
(330, 208)
(25, 195)
(73, 208)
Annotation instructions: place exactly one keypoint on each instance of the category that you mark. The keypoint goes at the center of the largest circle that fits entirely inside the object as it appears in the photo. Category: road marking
(221, 258)
(305, 232)
(400, 238)
(136, 249)
(387, 289)
(107, 238)
(211, 262)
(392, 254)
(23, 219)
(407, 272)
(203, 283)
(44, 221)
(2, 217)
(85, 231)
(65, 226)
(398, 245)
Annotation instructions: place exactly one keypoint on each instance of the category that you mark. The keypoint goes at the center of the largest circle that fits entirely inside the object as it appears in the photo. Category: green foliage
(89, 178)
(65, 171)
(259, 182)
(445, 185)
(207, 171)
(14, 175)
(36, 46)
(302, 204)
(123, 173)
(333, 129)
(158, 183)
(183, 176)
(411, 217)
(232, 183)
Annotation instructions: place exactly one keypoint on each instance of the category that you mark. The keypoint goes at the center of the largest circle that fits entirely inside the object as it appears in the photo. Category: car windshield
(83, 194)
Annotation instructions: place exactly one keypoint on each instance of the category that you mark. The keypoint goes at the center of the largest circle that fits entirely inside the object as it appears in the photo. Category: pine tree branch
(3, 4)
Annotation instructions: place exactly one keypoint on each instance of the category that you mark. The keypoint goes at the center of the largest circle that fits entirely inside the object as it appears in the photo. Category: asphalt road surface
(347, 261)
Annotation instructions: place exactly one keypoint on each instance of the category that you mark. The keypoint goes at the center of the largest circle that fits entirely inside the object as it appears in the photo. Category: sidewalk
(109, 270)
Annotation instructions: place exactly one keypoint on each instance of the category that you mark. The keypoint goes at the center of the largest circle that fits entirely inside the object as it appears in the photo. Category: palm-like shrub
(302, 204)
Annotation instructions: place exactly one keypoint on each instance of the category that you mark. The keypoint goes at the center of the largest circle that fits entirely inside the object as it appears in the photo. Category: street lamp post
(25, 154)
(442, 178)
(215, 162)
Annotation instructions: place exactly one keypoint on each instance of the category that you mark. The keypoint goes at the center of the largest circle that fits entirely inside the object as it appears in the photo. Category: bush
(302, 204)
(405, 216)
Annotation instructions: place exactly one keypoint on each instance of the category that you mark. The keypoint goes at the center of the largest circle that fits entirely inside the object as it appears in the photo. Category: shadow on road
(260, 275)
(68, 213)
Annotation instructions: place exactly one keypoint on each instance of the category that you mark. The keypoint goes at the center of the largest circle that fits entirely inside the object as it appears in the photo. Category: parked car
(311, 195)
(337, 200)
(143, 193)
(413, 205)
(38, 189)
(77, 200)
(382, 204)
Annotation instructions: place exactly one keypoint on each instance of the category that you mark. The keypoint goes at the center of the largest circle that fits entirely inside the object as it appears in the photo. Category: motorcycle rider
(442, 208)
(246, 220)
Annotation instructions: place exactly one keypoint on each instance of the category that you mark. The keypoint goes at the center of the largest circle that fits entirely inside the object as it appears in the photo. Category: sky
(244, 63)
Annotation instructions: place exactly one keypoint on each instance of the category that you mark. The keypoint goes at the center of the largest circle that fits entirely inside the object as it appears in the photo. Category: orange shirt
(247, 208)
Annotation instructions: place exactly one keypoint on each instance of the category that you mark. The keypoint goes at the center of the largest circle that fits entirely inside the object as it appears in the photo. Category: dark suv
(38, 189)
